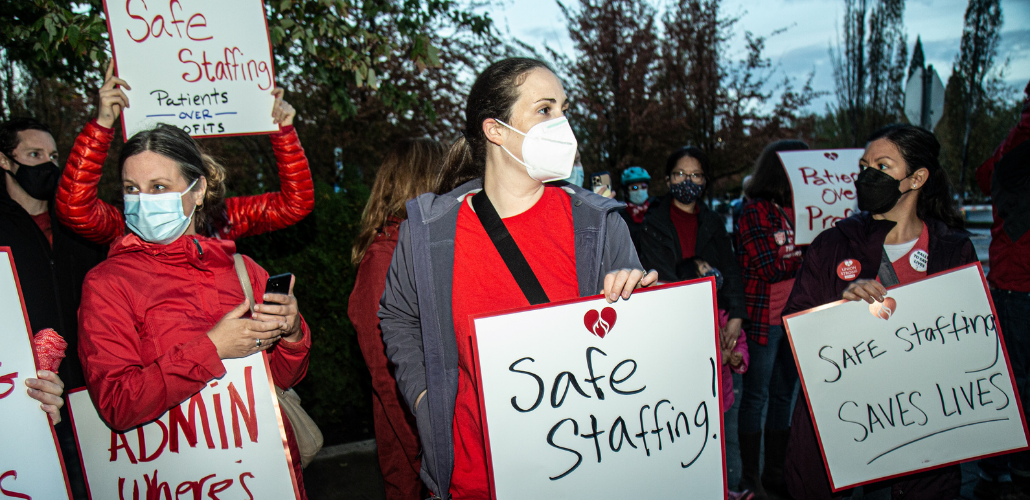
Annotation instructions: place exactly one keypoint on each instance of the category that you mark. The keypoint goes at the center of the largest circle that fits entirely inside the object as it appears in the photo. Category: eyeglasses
(679, 175)
(637, 187)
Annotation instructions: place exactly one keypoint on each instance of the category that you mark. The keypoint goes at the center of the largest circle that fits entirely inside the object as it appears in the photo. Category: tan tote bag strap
(244, 276)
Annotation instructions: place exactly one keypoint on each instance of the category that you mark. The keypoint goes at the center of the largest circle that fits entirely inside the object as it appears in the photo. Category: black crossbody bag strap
(509, 250)
(888, 277)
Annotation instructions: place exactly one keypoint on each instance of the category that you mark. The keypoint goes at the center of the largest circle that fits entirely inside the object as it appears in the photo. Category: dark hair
(9, 132)
(769, 180)
(493, 95)
(695, 153)
(172, 143)
(920, 149)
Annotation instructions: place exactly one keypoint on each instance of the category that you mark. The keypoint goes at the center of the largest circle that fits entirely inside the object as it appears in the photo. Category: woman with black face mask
(679, 226)
(907, 229)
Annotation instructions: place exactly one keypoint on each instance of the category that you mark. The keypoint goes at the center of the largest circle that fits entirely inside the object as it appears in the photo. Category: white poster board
(921, 383)
(203, 66)
(30, 457)
(227, 441)
(656, 433)
(823, 186)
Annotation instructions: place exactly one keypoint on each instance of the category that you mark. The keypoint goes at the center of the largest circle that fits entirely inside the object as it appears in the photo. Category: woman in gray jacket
(446, 266)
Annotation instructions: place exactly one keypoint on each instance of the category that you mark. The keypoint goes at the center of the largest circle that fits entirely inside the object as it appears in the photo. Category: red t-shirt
(686, 228)
(483, 284)
(43, 221)
(912, 266)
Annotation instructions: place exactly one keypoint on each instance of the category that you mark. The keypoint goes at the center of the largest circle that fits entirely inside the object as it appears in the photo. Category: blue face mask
(577, 177)
(718, 277)
(638, 197)
(157, 218)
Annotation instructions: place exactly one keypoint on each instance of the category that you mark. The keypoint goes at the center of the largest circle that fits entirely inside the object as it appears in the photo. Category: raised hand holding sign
(205, 67)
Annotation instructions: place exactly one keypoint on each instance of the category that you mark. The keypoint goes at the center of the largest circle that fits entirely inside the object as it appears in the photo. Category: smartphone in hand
(278, 284)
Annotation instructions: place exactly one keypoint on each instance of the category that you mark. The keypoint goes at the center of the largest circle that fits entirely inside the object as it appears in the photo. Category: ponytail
(493, 95)
(459, 167)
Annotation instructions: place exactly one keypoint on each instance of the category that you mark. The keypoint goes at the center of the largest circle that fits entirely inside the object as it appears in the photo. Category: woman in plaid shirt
(769, 260)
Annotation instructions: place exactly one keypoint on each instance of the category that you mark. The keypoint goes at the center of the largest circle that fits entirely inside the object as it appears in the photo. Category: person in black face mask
(908, 229)
(50, 259)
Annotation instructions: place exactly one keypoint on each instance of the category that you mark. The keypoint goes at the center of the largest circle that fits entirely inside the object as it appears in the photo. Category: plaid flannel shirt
(759, 255)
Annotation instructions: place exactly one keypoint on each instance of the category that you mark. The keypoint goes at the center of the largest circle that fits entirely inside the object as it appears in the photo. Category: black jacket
(860, 237)
(51, 278)
(660, 250)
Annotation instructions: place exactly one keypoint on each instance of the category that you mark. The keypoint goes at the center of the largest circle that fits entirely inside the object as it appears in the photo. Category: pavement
(351, 471)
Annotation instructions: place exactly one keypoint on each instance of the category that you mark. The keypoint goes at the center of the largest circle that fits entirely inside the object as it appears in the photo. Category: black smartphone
(278, 284)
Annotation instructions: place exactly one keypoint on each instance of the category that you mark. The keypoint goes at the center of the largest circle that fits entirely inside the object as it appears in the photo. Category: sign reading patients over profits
(30, 463)
(823, 185)
(594, 400)
(205, 67)
(919, 381)
(227, 441)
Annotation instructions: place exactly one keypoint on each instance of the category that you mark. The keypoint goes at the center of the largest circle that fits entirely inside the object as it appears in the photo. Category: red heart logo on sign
(599, 323)
(884, 310)
(831, 156)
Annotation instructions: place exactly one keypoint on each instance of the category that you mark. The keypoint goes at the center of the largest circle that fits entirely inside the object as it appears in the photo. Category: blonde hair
(410, 169)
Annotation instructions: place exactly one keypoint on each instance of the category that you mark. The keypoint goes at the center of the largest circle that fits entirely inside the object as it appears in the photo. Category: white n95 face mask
(548, 151)
(157, 218)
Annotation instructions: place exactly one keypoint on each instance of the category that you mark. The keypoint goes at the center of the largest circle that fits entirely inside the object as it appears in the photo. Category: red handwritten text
(13, 494)
(157, 27)
(179, 423)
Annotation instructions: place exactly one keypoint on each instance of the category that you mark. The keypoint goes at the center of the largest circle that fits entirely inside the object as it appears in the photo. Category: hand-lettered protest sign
(226, 440)
(30, 458)
(823, 186)
(919, 381)
(205, 67)
(586, 399)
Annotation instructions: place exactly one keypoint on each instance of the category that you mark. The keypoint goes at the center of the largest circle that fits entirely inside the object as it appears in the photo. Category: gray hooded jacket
(418, 320)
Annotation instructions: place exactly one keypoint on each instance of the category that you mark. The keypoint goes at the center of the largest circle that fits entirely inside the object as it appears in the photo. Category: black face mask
(877, 191)
(38, 181)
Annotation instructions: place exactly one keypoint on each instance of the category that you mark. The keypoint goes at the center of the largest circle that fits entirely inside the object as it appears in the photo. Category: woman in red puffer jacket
(161, 313)
(79, 208)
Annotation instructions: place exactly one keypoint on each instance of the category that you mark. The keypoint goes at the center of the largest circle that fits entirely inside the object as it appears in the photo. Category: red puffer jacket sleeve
(252, 215)
(77, 204)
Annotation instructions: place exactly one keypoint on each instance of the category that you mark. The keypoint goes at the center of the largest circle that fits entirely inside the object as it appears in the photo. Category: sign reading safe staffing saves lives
(205, 67)
(30, 458)
(226, 441)
(585, 399)
(917, 382)
(823, 186)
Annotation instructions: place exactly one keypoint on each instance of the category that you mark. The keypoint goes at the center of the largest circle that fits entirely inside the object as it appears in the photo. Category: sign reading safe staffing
(823, 186)
(585, 399)
(205, 67)
(30, 458)
(917, 382)
(227, 441)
